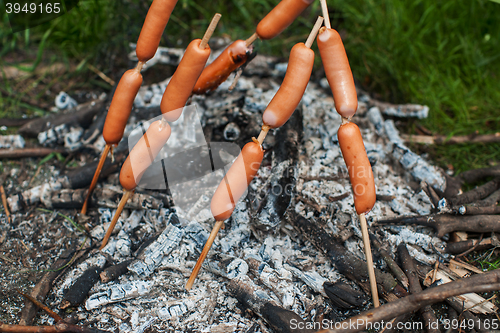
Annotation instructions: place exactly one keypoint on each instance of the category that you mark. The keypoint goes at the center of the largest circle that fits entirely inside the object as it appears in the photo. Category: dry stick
(97, 173)
(28, 152)
(314, 32)
(251, 39)
(4, 202)
(119, 209)
(395, 269)
(369, 259)
(477, 284)
(236, 78)
(103, 76)
(324, 9)
(41, 306)
(409, 266)
(209, 32)
(204, 253)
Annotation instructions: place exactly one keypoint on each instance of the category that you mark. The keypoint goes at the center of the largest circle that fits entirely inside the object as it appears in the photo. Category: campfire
(290, 256)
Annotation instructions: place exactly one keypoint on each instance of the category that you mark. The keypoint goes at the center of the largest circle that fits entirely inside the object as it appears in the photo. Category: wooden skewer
(314, 32)
(119, 209)
(139, 66)
(324, 8)
(204, 253)
(5, 204)
(210, 30)
(251, 39)
(369, 259)
(262, 135)
(96, 178)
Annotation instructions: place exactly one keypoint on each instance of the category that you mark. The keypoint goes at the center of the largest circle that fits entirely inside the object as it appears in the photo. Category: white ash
(34, 195)
(14, 141)
(154, 253)
(118, 293)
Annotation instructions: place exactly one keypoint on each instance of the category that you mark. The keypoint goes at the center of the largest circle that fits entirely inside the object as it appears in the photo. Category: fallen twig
(60, 327)
(471, 176)
(476, 194)
(29, 152)
(445, 223)
(395, 269)
(479, 283)
(346, 262)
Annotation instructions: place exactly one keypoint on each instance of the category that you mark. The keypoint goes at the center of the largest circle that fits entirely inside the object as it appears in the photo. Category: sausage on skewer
(280, 17)
(153, 27)
(338, 72)
(140, 158)
(230, 190)
(116, 119)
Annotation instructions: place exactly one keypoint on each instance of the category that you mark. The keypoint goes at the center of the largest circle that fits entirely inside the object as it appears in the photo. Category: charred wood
(345, 262)
(81, 115)
(445, 223)
(466, 314)
(82, 176)
(113, 272)
(476, 194)
(475, 244)
(60, 327)
(15, 122)
(29, 152)
(492, 199)
(43, 286)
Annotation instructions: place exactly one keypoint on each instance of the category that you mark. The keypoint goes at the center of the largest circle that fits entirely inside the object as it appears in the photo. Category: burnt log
(254, 298)
(343, 260)
(82, 115)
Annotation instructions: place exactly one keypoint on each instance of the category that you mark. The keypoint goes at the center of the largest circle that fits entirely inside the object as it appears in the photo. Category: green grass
(445, 54)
